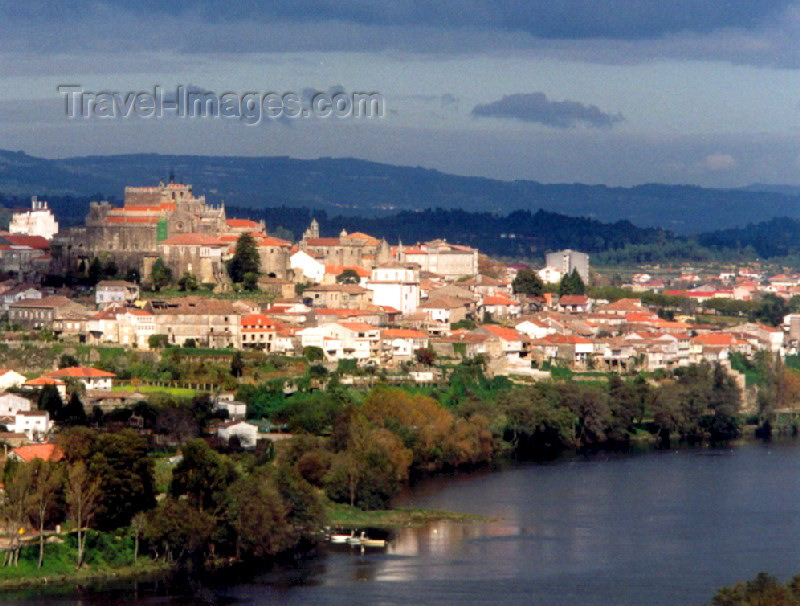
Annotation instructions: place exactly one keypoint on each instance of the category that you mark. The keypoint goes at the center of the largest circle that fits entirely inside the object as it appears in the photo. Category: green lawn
(181, 392)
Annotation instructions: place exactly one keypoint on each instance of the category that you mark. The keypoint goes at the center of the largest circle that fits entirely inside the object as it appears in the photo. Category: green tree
(188, 282)
(50, 400)
(202, 476)
(572, 284)
(348, 276)
(250, 281)
(95, 271)
(68, 361)
(245, 259)
(177, 531)
(237, 364)
(73, 413)
(127, 476)
(258, 516)
(528, 282)
(160, 274)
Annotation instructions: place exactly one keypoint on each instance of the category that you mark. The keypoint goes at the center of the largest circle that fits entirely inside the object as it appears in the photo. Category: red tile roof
(507, 334)
(241, 223)
(79, 372)
(48, 452)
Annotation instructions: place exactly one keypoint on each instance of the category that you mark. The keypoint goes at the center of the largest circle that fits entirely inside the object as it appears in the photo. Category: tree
(73, 413)
(68, 361)
(528, 282)
(245, 259)
(95, 271)
(202, 476)
(188, 282)
(572, 284)
(258, 516)
(160, 274)
(44, 496)
(126, 473)
(348, 276)
(14, 505)
(50, 400)
(138, 524)
(237, 364)
(425, 355)
(157, 341)
(177, 531)
(250, 281)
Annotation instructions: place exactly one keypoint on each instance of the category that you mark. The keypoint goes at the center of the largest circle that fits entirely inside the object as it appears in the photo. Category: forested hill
(519, 234)
(348, 186)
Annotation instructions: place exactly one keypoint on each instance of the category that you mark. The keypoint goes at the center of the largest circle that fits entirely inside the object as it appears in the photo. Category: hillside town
(159, 270)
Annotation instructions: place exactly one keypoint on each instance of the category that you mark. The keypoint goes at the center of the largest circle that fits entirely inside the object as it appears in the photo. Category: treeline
(521, 233)
(763, 590)
(374, 441)
(214, 507)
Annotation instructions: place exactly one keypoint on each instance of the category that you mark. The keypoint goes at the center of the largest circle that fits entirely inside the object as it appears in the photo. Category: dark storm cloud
(565, 19)
(536, 107)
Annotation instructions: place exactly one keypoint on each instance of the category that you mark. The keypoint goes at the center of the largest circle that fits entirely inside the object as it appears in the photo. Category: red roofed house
(344, 340)
(500, 307)
(92, 378)
(46, 452)
(258, 332)
(513, 344)
(574, 304)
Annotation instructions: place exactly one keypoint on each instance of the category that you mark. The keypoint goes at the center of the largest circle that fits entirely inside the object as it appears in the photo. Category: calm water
(657, 528)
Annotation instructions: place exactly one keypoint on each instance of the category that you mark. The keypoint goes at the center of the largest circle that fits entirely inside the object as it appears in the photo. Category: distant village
(402, 307)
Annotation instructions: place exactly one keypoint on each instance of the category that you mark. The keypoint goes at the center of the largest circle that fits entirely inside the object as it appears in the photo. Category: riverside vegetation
(122, 504)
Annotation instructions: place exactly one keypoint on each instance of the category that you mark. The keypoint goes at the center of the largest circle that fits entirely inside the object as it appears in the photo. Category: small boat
(339, 539)
(365, 542)
(354, 540)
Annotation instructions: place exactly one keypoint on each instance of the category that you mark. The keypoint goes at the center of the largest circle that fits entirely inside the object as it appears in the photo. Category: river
(613, 530)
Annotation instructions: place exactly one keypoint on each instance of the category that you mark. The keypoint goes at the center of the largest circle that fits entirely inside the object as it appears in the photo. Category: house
(115, 292)
(11, 404)
(42, 382)
(395, 285)
(247, 433)
(574, 304)
(512, 343)
(344, 340)
(534, 327)
(443, 311)
(46, 452)
(45, 313)
(307, 266)
(399, 344)
(19, 293)
(35, 424)
(92, 378)
(10, 378)
(550, 275)
(193, 253)
(236, 410)
(259, 332)
(500, 307)
(209, 322)
(341, 296)
(571, 349)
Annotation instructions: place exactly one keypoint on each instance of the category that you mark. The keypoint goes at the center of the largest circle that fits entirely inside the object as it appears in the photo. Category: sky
(617, 92)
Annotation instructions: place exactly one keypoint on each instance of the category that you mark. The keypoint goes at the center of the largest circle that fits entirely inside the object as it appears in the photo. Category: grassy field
(179, 392)
(345, 516)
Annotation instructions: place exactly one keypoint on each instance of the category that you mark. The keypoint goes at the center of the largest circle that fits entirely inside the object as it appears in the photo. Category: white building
(395, 286)
(11, 404)
(34, 424)
(115, 292)
(344, 340)
(550, 275)
(307, 265)
(92, 378)
(10, 378)
(246, 432)
(39, 221)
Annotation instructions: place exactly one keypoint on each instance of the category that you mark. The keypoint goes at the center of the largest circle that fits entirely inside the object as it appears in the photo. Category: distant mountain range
(357, 187)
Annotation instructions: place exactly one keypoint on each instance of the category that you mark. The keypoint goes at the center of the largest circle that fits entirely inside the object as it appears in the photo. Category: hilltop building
(38, 221)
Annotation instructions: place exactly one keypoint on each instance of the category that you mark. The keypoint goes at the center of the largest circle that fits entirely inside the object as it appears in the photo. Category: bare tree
(15, 503)
(138, 523)
(83, 501)
(46, 484)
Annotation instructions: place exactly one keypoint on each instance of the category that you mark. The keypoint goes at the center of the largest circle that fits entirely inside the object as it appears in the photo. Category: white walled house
(115, 292)
(534, 329)
(11, 404)
(92, 378)
(38, 221)
(34, 424)
(307, 265)
(550, 275)
(10, 378)
(401, 343)
(395, 286)
(246, 432)
(344, 340)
